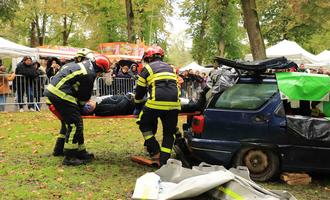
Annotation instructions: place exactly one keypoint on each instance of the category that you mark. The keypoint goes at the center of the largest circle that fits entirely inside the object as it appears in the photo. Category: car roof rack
(258, 66)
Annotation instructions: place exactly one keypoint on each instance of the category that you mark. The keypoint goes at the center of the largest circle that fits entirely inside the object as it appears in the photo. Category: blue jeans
(28, 89)
(2, 102)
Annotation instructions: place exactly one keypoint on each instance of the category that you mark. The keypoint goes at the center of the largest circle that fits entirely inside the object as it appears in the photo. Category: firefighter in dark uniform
(158, 79)
(81, 55)
(66, 95)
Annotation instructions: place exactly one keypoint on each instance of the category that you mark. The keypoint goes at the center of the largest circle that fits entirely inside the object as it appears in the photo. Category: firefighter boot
(163, 158)
(58, 149)
(85, 156)
(71, 159)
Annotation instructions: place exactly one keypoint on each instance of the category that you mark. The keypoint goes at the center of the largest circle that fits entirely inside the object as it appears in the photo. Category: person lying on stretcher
(110, 105)
(119, 105)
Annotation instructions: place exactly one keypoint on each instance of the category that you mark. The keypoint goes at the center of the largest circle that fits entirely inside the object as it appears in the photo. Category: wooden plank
(302, 181)
(296, 178)
(292, 176)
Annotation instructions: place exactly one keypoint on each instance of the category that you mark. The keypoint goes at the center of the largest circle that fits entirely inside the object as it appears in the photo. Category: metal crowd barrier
(191, 90)
(22, 93)
(118, 86)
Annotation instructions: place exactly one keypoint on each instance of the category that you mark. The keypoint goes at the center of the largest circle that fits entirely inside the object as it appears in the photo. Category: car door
(241, 112)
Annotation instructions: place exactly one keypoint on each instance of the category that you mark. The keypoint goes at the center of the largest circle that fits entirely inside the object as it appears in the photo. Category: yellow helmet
(83, 52)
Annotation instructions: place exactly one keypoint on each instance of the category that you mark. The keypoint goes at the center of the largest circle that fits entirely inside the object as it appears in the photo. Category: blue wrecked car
(266, 121)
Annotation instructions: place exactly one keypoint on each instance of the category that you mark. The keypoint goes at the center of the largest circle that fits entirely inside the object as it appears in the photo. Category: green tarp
(303, 86)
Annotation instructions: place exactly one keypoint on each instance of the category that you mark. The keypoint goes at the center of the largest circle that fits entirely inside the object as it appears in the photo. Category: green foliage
(7, 7)
(150, 19)
(178, 54)
(306, 22)
(275, 17)
(215, 29)
(88, 23)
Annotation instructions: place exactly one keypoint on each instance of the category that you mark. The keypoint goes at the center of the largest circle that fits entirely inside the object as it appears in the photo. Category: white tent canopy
(291, 50)
(324, 56)
(10, 49)
(195, 67)
(57, 51)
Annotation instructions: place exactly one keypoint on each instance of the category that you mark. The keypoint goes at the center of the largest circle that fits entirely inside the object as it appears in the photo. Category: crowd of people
(312, 70)
(192, 83)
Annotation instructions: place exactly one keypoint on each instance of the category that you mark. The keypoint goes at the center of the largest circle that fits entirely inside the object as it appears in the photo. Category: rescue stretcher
(130, 116)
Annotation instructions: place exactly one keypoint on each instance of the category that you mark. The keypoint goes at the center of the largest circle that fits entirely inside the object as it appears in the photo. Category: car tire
(263, 164)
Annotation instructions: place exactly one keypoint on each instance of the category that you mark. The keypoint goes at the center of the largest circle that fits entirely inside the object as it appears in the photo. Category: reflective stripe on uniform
(139, 118)
(60, 136)
(69, 144)
(147, 135)
(162, 75)
(231, 193)
(142, 82)
(72, 75)
(149, 69)
(61, 94)
(165, 150)
(138, 100)
(164, 103)
(48, 101)
(155, 105)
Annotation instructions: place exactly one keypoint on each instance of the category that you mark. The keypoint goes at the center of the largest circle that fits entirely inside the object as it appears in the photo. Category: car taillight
(198, 124)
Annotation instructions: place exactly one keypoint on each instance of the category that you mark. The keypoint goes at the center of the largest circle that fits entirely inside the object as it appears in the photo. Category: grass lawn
(28, 171)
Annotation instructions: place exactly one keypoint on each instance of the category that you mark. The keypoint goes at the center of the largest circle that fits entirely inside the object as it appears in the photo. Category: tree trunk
(65, 31)
(221, 48)
(223, 23)
(202, 45)
(251, 23)
(130, 21)
(33, 38)
(43, 30)
(202, 33)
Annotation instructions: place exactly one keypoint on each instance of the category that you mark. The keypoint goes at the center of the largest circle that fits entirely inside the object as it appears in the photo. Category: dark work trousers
(71, 123)
(148, 119)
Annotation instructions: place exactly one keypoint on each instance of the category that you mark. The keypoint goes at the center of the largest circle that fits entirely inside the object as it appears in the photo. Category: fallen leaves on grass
(59, 179)
(60, 170)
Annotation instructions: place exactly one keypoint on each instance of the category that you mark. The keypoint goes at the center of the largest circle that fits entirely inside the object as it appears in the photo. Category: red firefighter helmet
(152, 51)
(103, 62)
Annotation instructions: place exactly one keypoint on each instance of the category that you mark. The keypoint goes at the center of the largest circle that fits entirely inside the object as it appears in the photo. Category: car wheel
(263, 164)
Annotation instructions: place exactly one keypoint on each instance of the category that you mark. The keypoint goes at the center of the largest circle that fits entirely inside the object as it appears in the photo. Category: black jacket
(161, 81)
(28, 74)
(115, 105)
(74, 82)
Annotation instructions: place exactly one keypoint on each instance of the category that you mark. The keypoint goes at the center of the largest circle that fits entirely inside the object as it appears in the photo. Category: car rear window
(246, 96)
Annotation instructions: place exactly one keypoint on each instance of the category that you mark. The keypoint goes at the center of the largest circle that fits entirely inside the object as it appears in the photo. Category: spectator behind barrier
(134, 71)
(124, 72)
(24, 83)
(4, 86)
(53, 66)
(39, 84)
